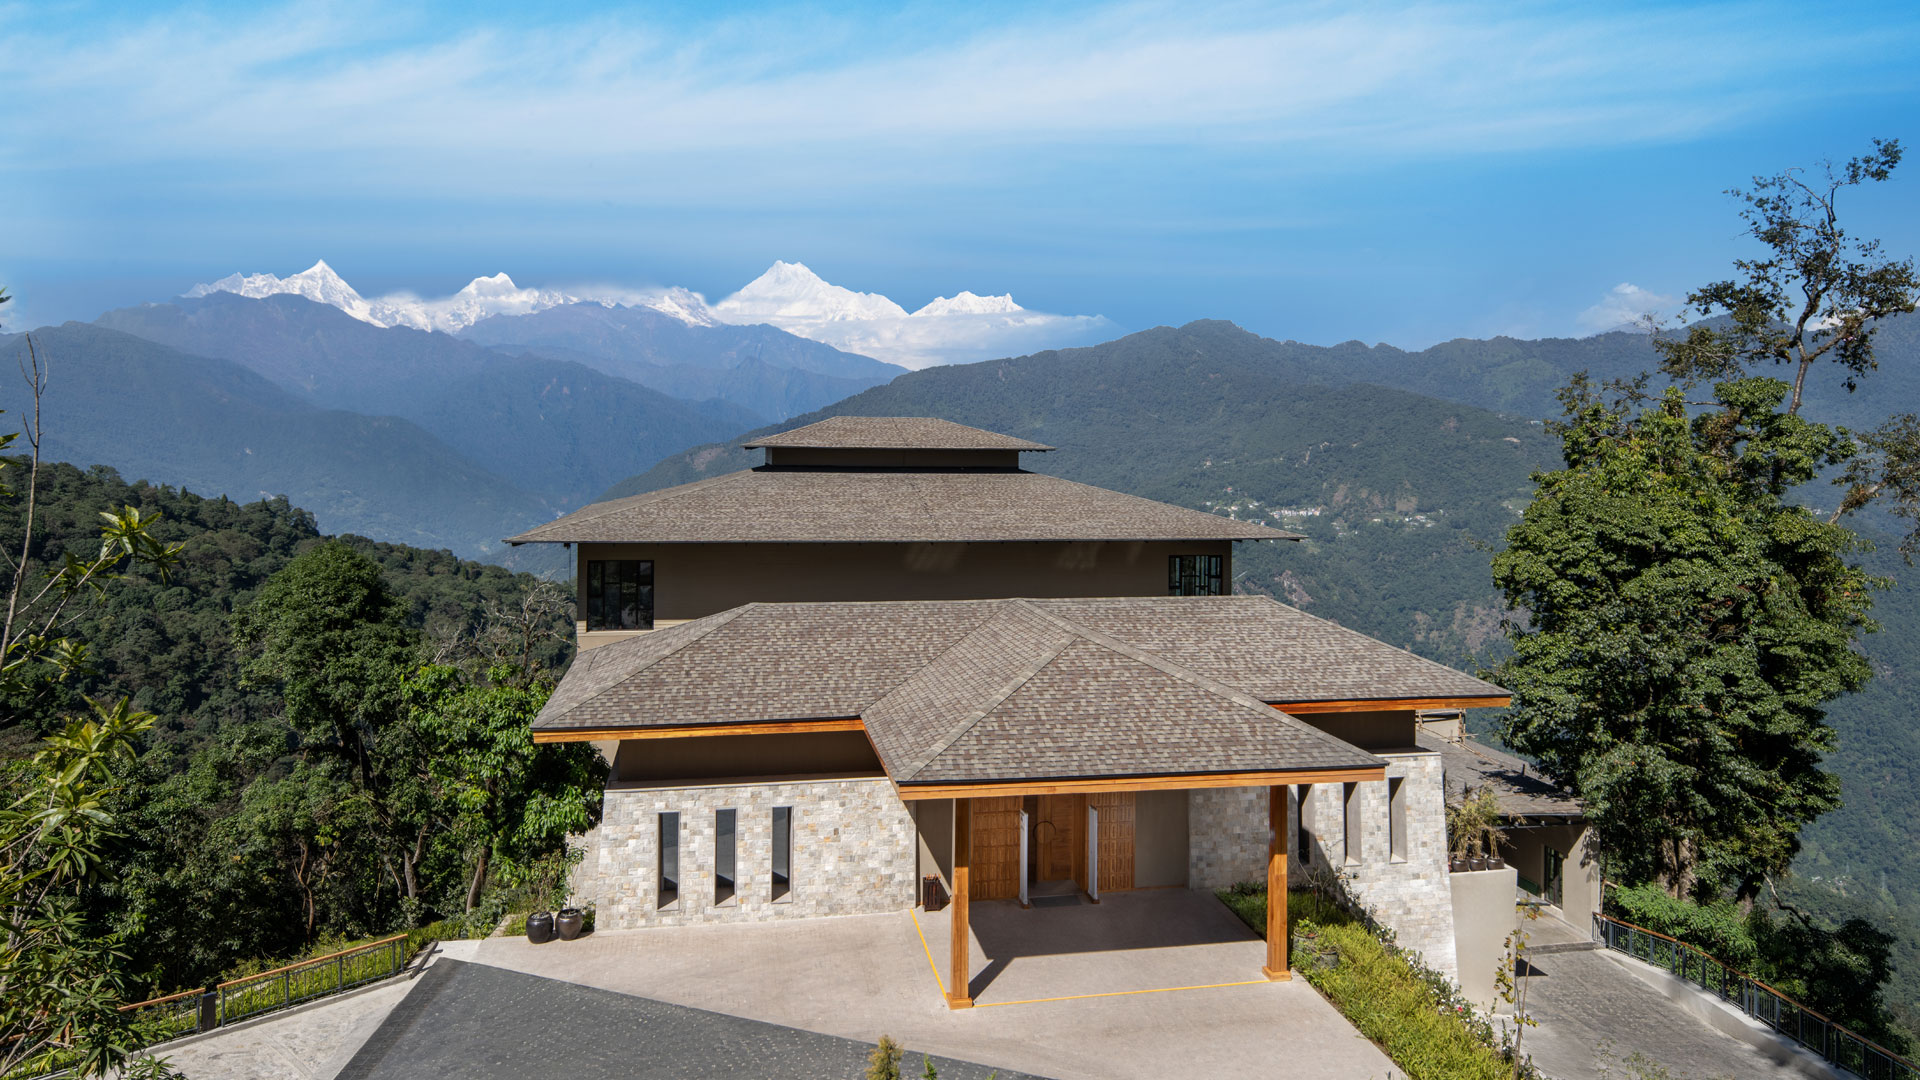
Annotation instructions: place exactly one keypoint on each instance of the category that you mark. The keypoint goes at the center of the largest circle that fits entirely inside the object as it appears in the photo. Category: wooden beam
(1302, 708)
(911, 792)
(690, 731)
(1276, 966)
(959, 982)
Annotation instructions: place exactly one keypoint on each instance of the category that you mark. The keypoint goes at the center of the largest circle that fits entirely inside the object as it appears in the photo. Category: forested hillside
(243, 835)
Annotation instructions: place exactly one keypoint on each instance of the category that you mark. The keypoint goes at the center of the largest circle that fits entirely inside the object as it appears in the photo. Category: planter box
(1484, 914)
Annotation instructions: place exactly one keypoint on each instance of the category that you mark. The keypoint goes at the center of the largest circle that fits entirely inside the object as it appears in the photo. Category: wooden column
(958, 979)
(1276, 966)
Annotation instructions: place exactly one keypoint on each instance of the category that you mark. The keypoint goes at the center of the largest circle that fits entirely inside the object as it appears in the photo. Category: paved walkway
(859, 977)
(309, 1043)
(1589, 1001)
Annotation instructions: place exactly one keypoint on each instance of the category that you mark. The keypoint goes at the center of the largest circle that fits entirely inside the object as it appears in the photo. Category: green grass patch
(1413, 1015)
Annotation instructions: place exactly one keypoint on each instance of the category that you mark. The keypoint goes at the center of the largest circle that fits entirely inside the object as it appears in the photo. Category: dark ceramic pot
(1458, 866)
(540, 927)
(1477, 862)
(567, 923)
(1495, 862)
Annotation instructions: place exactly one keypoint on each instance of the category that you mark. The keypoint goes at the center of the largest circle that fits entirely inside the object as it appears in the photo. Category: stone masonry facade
(853, 852)
(1408, 890)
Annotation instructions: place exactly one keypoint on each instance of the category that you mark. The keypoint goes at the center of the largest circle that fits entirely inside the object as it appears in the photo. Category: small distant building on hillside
(890, 665)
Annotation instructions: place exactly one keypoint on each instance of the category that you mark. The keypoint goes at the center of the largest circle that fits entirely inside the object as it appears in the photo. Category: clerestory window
(619, 594)
(1196, 575)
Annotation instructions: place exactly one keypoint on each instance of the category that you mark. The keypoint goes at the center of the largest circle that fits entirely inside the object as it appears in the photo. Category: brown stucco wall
(933, 822)
(1159, 839)
(1368, 730)
(706, 758)
(694, 580)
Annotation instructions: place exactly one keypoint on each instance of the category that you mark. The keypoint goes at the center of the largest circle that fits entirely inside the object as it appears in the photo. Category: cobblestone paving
(474, 1020)
(1588, 1000)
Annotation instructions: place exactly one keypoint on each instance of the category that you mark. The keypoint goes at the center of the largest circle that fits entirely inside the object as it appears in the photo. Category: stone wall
(1407, 890)
(853, 852)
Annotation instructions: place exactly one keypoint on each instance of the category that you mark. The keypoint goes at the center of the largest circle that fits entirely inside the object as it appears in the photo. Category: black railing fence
(1838, 1046)
(194, 1011)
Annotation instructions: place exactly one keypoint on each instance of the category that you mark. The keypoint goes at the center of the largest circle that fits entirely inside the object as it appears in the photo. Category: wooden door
(996, 848)
(1116, 839)
(1057, 837)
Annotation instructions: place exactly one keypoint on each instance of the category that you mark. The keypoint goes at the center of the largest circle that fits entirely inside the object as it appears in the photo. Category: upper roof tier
(889, 479)
(774, 506)
(893, 433)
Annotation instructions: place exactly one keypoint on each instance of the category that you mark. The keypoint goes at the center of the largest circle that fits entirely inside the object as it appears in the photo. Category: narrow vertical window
(723, 855)
(1397, 819)
(1350, 810)
(1304, 832)
(1196, 575)
(669, 858)
(782, 851)
(619, 594)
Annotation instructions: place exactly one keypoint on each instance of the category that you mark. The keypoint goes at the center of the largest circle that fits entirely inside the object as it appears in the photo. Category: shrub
(1720, 928)
(1430, 1037)
(884, 1062)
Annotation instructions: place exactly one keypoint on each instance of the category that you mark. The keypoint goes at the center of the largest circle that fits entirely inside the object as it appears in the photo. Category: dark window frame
(605, 602)
(668, 870)
(726, 854)
(781, 857)
(1196, 575)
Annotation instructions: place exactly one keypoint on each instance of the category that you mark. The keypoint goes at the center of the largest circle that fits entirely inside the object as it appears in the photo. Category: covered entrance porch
(1043, 876)
(1140, 942)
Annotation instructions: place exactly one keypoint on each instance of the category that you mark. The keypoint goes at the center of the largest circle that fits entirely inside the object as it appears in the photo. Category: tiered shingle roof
(964, 691)
(894, 433)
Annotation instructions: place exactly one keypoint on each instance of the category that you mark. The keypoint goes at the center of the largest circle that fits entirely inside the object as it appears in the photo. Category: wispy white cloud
(1626, 306)
(585, 107)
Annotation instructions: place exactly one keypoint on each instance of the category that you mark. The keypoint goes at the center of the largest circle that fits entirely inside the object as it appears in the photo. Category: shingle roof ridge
(593, 511)
(1188, 675)
(1350, 630)
(993, 699)
(979, 438)
(677, 638)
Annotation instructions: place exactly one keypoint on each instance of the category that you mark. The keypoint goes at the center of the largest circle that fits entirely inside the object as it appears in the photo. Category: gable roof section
(893, 433)
(1035, 696)
(978, 690)
(1274, 652)
(775, 506)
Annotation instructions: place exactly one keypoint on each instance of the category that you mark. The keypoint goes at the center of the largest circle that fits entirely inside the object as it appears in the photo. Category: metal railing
(192, 1011)
(1837, 1045)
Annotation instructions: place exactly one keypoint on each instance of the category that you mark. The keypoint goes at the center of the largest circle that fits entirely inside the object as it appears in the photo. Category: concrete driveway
(1178, 979)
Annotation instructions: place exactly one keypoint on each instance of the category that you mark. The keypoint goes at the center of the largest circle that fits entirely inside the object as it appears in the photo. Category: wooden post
(1276, 966)
(958, 981)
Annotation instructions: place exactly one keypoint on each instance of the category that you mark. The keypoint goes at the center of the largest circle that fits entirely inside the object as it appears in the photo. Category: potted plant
(1473, 831)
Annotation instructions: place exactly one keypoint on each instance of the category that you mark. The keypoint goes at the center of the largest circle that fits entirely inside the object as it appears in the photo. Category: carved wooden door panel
(1116, 839)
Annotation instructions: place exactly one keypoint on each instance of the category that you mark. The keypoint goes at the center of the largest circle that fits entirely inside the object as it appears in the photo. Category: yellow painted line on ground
(931, 966)
(1118, 993)
(941, 983)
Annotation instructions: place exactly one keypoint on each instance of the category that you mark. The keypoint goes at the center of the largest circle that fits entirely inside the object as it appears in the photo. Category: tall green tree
(507, 797)
(1685, 622)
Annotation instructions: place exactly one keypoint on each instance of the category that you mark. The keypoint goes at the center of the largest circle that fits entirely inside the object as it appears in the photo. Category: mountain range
(963, 328)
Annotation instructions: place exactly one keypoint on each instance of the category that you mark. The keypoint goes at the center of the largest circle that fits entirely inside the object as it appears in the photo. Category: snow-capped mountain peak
(966, 303)
(791, 291)
(317, 283)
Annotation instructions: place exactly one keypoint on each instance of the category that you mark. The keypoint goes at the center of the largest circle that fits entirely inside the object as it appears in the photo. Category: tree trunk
(479, 877)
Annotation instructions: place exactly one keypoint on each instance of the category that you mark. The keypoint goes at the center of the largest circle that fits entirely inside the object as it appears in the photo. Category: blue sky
(1323, 172)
